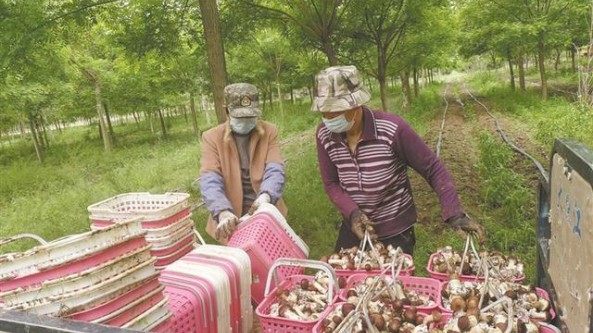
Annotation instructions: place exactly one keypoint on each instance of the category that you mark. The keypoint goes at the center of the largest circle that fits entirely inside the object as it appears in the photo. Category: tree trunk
(572, 58)
(557, 60)
(383, 92)
(328, 49)
(271, 97)
(109, 126)
(215, 51)
(521, 65)
(107, 144)
(292, 95)
(22, 130)
(279, 97)
(405, 78)
(193, 115)
(136, 120)
(415, 80)
(163, 125)
(36, 144)
(511, 72)
(204, 105)
(541, 49)
(41, 122)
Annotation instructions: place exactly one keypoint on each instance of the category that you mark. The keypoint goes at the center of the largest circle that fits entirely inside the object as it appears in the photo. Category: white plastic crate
(150, 206)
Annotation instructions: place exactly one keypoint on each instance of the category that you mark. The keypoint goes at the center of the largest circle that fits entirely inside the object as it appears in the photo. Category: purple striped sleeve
(422, 159)
(331, 183)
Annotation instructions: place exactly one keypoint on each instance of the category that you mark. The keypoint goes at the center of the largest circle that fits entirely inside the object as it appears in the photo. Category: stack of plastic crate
(166, 218)
(106, 276)
(209, 291)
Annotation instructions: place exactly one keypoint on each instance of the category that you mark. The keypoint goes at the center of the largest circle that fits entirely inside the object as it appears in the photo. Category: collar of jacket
(228, 132)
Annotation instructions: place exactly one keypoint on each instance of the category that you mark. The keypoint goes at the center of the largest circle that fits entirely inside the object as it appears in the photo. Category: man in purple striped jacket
(363, 159)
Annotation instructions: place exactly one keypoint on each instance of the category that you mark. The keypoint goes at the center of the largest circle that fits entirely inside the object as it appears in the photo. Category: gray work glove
(359, 223)
(262, 198)
(466, 224)
(227, 223)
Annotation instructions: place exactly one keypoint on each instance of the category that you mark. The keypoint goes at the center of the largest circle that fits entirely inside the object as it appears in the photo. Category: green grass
(508, 202)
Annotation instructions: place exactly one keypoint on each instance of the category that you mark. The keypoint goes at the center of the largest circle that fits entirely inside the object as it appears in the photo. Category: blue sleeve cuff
(273, 181)
(213, 193)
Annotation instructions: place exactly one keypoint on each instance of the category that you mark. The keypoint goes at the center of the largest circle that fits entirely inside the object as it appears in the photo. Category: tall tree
(216, 56)
(318, 20)
(382, 26)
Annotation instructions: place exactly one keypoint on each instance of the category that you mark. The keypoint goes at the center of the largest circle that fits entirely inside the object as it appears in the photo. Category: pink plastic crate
(157, 210)
(408, 271)
(264, 240)
(423, 286)
(445, 277)
(95, 259)
(132, 310)
(171, 258)
(105, 309)
(271, 324)
(191, 304)
(146, 223)
(234, 276)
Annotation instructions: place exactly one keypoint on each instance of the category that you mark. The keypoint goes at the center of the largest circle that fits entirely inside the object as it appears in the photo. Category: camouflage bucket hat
(339, 89)
(242, 100)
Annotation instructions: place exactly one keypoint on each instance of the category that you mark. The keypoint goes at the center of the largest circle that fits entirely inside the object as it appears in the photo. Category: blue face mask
(338, 124)
(243, 125)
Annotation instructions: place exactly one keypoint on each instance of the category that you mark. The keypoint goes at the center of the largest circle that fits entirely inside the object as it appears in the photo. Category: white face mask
(338, 124)
(243, 125)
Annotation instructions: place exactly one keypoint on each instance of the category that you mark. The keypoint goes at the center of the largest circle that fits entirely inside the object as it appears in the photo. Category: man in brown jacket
(241, 164)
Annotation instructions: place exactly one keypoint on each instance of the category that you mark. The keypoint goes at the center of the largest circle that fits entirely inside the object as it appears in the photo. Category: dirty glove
(466, 224)
(359, 223)
(227, 223)
(263, 198)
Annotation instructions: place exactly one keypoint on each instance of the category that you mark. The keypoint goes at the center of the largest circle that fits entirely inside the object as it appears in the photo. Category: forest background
(104, 97)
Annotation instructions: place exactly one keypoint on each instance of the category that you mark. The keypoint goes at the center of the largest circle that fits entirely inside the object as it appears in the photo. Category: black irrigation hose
(440, 138)
(538, 165)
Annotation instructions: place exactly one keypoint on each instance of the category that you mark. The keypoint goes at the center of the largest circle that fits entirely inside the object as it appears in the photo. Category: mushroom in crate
(374, 311)
(374, 259)
(468, 264)
(529, 303)
(403, 291)
(298, 302)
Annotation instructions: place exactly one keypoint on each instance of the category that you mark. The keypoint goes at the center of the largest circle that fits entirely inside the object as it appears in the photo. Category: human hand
(359, 223)
(468, 225)
(227, 223)
(262, 198)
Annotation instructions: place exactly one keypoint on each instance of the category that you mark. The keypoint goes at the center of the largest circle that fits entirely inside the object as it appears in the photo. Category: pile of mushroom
(487, 322)
(355, 258)
(383, 317)
(304, 302)
(501, 267)
(390, 291)
(459, 296)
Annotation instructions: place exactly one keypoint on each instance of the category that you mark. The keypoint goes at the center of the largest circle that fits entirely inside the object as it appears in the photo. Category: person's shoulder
(387, 116)
(268, 125)
(322, 132)
(215, 131)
